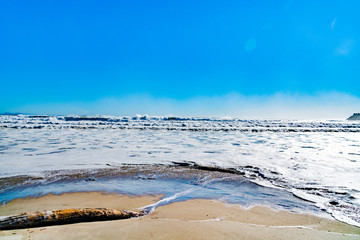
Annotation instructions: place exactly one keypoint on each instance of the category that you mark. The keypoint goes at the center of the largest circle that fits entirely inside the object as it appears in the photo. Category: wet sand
(192, 219)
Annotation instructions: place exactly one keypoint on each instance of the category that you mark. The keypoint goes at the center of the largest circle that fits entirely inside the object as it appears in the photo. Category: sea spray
(150, 208)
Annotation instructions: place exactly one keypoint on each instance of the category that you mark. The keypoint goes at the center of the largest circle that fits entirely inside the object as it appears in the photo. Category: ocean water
(299, 164)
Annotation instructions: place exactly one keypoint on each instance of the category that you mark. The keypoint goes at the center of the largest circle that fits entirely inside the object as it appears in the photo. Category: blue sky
(180, 57)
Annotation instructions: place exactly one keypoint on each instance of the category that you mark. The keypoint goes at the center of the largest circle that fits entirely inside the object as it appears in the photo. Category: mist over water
(325, 105)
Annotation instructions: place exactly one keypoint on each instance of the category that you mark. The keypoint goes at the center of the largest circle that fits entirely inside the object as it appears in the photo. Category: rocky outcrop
(354, 117)
(64, 216)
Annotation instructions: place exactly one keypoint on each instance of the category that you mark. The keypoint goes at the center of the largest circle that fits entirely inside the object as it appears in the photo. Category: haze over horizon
(279, 59)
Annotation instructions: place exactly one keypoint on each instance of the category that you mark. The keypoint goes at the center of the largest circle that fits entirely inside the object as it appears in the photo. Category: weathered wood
(64, 216)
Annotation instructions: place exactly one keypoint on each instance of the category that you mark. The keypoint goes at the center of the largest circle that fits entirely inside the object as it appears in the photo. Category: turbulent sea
(296, 165)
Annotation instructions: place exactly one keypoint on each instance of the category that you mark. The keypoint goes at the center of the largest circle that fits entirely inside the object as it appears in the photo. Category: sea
(301, 166)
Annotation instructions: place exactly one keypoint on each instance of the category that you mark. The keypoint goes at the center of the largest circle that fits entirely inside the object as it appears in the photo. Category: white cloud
(345, 47)
(333, 24)
(331, 105)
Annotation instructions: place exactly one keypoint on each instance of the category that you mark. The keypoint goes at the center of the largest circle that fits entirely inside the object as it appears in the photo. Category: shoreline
(183, 180)
(190, 219)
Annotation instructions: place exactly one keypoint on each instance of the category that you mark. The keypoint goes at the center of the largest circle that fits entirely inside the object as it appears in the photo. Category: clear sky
(216, 58)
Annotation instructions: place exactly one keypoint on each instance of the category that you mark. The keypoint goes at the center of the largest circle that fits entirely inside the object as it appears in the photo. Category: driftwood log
(64, 216)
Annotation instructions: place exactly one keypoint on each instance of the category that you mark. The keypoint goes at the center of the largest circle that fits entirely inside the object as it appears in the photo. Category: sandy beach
(192, 219)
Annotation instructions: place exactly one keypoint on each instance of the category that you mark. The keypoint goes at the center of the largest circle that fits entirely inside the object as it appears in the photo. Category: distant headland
(355, 116)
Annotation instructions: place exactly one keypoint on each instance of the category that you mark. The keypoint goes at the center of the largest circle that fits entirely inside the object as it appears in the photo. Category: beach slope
(192, 219)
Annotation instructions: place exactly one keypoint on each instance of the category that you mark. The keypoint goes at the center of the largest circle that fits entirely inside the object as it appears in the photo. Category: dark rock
(354, 117)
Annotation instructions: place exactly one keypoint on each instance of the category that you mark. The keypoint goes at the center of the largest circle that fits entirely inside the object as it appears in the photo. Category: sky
(258, 59)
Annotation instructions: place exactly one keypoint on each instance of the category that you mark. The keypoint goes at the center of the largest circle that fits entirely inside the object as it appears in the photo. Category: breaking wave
(144, 122)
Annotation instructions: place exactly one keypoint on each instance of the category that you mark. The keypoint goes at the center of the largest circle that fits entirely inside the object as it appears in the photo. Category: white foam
(150, 208)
